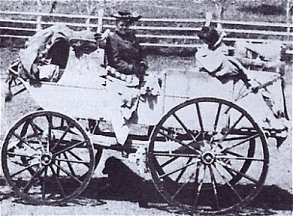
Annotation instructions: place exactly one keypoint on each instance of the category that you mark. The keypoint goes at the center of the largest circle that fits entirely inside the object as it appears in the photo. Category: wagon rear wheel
(208, 155)
(47, 158)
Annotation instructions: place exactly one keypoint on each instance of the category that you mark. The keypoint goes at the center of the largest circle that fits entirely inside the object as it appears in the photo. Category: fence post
(288, 18)
(99, 30)
(39, 17)
(100, 20)
(209, 16)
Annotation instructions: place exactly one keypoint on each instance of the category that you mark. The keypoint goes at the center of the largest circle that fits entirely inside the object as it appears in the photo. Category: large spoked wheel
(47, 158)
(208, 155)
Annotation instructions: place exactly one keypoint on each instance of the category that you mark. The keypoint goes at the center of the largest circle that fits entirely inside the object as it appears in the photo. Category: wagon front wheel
(208, 155)
(47, 158)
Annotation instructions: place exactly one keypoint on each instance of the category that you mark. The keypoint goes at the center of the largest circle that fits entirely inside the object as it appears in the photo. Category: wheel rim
(208, 155)
(47, 158)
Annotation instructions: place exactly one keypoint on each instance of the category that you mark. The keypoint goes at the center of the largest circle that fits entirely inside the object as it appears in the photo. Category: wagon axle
(46, 159)
(208, 158)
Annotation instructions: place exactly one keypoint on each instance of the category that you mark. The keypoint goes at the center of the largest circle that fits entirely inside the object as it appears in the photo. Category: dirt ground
(276, 198)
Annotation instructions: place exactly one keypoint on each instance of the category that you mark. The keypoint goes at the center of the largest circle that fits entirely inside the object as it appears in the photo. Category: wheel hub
(208, 158)
(46, 159)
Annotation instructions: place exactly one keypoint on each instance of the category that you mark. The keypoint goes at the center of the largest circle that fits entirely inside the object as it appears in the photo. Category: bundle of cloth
(46, 53)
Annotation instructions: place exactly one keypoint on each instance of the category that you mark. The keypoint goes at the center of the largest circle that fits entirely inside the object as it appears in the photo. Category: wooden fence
(153, 32)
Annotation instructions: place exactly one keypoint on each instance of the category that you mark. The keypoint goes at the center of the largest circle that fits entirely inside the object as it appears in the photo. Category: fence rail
(153, 32)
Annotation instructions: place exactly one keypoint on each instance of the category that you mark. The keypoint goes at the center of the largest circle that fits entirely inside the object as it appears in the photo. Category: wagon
(205, 154)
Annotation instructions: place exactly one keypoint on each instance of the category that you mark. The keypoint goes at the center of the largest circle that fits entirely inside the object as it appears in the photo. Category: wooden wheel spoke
(170, 154)
(37, 130)
(58, 181)
(183, 185)
(197, 173)
(228, 183)
(229, 130)
(184, 127)
(23, 141)
(24, 129)
(238, 172)
(183, 170)
(240, 158)
(24, 169)
(177, 170)
(69, 164)
(73, 161)
(44, 179)
(230, 172)
(231, 139)
(235, 154)
(169, 161)
(199, 187)
(78, 158)
(178, 141)
(70, 147)
(30, 183)
(20, 155)
(240, 143)
(59, 163)
(214, 183)
(68, 173)
(50, 125)
(217, 117)
(62, 137)
(199, 116)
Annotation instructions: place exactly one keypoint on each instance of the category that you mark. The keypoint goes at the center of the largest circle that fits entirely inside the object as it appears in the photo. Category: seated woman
(214, 59)
(126, 68)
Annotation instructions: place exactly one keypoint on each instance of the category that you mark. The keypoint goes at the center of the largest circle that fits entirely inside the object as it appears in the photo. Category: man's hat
(126, 15)
(209, 35)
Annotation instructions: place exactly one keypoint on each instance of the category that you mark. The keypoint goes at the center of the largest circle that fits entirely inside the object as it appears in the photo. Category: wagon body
(81, 92)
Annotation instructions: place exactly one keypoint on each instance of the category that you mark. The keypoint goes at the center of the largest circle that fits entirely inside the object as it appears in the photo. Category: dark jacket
(124, 53)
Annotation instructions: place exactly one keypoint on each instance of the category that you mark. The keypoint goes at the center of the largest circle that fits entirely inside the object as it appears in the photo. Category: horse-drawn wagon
(205, 153)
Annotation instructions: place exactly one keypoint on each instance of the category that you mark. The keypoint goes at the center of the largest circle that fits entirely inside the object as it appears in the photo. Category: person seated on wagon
(126, 69)
(214, 59)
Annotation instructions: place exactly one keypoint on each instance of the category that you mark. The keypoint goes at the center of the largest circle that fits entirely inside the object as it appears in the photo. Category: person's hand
(98, 36)
(142, 67)
(105, 35)
(203, 70)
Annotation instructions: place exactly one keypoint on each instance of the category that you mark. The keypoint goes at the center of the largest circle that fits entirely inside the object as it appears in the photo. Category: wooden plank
(256, 40)
(168, 36)
(48, 14)
(17, 29)
(15, 36)
(18, 21)
(171, 45)
(158, 28)
(251, 23)
(257, 32)
(232, 22)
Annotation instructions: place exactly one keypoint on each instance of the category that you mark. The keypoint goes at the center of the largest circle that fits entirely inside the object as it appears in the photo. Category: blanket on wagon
(46, 53)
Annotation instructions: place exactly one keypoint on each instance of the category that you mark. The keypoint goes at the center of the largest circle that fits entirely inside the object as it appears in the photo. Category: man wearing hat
(126, 65)
(213, 58)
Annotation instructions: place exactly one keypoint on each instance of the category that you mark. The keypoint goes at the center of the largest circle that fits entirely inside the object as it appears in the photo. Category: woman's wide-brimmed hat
(126, 15)
(209, 35)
